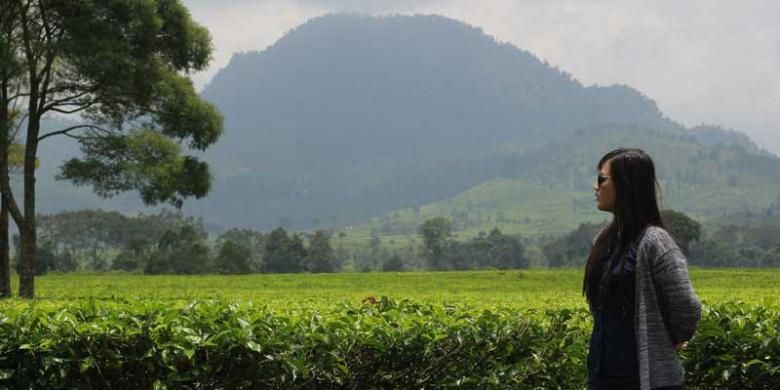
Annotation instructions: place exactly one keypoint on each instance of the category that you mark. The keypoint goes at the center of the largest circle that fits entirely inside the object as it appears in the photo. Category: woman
(636, 283)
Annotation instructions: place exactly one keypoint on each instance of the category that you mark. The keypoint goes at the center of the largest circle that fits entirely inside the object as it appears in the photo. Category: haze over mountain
(349, 117)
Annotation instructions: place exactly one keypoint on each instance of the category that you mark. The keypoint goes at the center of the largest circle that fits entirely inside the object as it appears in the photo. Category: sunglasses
(600, 179)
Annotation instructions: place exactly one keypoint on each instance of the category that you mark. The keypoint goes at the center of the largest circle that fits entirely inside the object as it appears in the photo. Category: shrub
(380, 344)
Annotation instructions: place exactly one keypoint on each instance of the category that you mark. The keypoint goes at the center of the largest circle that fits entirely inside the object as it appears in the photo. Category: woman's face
(604, 188)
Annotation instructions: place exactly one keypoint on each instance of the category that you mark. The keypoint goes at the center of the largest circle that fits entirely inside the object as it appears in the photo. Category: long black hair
(635, 209)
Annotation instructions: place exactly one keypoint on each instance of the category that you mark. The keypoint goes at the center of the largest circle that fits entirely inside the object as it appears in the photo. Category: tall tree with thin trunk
(10, 153)
(11, 161)
(120, 67)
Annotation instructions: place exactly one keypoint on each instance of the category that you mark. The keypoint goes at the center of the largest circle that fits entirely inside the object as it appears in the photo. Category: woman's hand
(681, 346)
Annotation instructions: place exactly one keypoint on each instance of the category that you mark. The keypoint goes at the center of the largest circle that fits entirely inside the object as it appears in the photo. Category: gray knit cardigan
(667, 309)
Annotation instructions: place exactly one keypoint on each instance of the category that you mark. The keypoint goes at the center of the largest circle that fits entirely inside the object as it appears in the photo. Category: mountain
(351, 117)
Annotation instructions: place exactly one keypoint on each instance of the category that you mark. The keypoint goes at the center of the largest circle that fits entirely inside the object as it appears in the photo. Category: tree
(321, 257)
(494, 250)
(233, 258)
(119, 66)
(45, 260)
(85, 234)
(573, 248)
(393, 264)
(283, 253)
(11, 156)
(435, 233)
(375, 257)
(275, 251)
(252, 240)
(506, 252)
(297, 255)
(682, 228)
(181, 252)
(133, 256)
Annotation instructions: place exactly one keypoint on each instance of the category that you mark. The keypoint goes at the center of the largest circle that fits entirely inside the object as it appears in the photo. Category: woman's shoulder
(656, 233)
(657, 240)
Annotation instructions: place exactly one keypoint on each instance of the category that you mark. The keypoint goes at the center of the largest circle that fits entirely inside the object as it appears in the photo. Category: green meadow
(520, 289)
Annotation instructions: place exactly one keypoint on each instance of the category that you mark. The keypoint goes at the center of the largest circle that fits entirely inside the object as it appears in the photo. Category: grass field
(535, 288)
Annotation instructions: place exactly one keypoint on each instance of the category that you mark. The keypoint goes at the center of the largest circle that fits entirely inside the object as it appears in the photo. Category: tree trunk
(27, 230)
(27, 260)
(5, 140)
(5, 263)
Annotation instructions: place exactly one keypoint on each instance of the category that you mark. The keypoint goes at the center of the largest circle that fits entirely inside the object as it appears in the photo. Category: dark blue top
(612, 359)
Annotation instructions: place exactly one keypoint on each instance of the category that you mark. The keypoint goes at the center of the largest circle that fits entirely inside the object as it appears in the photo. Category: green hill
(513, 205)
(548, 190)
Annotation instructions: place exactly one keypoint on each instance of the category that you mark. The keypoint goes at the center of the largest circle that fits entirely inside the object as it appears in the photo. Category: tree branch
(17, 96)
(73, 111)
(65, 101)
(46, 71)
(18, 126)
(67, 131)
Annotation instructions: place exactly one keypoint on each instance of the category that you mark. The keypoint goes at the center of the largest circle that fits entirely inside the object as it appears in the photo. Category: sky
(702, 61)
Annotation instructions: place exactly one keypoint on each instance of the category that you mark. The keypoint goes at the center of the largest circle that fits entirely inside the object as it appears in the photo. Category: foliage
(436, 233)
(751, 244)
(494, 250)
(682, 227)
(181, 252)
(86, 234)
(252, 240)
(571, 249)
(283, 253)
(320, 253)
(739, 245)
(737, 346)
(378, 344)
(394, 264)
(233, 259)
(45, 259)
(95, 239)
(150, 162)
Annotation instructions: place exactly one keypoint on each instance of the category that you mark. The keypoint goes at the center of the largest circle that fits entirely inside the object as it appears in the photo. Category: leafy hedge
(380, 344)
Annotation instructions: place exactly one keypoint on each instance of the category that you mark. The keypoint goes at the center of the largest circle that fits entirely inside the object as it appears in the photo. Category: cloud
(701, 63)
(240, 26)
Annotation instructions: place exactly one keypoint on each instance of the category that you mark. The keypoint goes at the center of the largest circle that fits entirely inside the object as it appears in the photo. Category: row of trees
(729, 245)
(571, 250)
(118, 69)
(169, 242)
(739, 246)
(493, 250)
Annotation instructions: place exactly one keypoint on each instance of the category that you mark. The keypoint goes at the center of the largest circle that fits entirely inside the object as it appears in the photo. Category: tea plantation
(489, 329)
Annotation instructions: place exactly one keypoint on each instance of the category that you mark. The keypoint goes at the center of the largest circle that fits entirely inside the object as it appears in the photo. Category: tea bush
(380, 344)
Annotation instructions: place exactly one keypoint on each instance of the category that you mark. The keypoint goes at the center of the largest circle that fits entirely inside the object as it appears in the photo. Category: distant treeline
(754, 244)
(171, 243)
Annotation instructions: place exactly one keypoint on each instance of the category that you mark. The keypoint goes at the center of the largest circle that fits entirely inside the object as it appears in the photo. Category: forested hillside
(349, 117)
